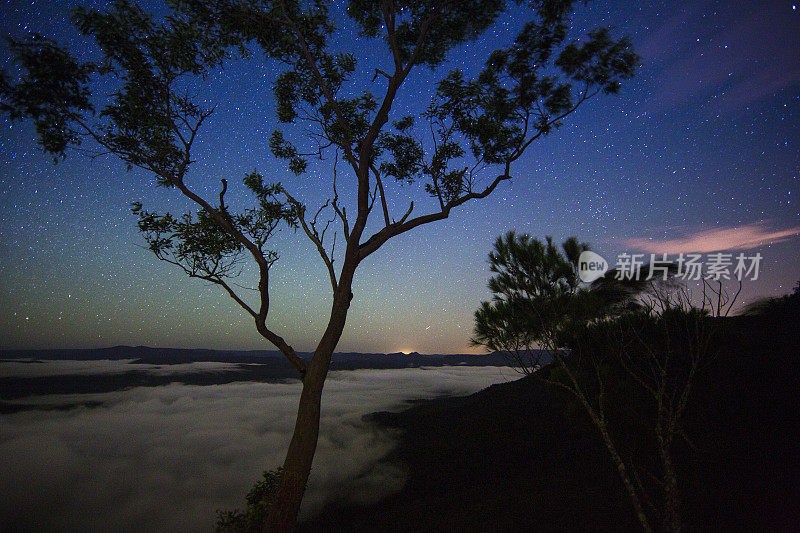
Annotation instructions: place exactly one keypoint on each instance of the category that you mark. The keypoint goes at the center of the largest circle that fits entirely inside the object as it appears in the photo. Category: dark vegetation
(525, 456)
(259, 500)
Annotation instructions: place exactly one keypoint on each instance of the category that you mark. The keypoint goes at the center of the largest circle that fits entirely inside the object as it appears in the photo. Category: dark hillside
(509, 458)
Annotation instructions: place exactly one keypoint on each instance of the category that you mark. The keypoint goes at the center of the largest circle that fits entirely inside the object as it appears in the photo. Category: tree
(473, 125)
(615, 346)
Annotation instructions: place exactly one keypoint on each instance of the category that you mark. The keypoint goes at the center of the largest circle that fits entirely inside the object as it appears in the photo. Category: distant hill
(170, 356)
(262, 366)
(143, 353)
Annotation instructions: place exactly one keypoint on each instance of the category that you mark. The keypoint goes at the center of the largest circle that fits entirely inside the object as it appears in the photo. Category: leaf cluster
(54, 91)
(296, 35)
(534, 288)
(259, 500)
(447, 24)
(202, 247)
(195, 243)
(147, 122)
(407, 162)
(537, 295)
(524, 91)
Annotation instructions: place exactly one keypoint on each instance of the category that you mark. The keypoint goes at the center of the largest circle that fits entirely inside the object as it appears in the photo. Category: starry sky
(698, 152)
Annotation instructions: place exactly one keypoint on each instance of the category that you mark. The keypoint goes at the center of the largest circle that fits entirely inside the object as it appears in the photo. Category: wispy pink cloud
(737, 238)
(742, 59)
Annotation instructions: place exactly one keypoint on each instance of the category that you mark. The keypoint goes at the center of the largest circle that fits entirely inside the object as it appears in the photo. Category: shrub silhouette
(259, 500)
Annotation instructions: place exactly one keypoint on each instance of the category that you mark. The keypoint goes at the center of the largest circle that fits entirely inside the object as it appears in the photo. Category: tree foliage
(522, 93)
(202, 247)
(54, 92)
(537, 297)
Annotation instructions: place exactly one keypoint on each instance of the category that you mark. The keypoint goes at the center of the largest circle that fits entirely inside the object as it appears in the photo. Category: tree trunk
(623, 474)
(672, 498)
(297, 465)
(618, 462)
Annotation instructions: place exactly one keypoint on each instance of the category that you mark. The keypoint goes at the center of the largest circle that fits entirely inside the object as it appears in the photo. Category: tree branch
(382, 73)
(387, 8)
(213, 279)
(255, 250)
(382, 193)
(222, 193)
(326, 90)
(366, 145)
(287, 350)
(314, 236)
(521, 149)
(378, 239)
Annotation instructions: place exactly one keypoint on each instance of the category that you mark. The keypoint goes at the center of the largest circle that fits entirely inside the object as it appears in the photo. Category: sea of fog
(165, 458)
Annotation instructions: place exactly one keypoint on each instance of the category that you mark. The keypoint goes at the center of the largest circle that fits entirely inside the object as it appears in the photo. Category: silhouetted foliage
(537, 297)
(259, 500)
(787, 305)
(522, 456)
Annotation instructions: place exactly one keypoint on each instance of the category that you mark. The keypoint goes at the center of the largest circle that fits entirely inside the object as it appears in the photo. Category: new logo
(591, 266)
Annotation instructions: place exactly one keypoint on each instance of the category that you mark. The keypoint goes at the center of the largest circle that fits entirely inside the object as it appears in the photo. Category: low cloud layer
(37, 369)
(737, 238)
(165, 458)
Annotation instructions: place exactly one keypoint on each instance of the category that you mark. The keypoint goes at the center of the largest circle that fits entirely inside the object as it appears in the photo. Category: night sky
(700, 149)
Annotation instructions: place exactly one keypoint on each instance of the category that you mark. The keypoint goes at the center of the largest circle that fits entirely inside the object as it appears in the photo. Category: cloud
(43, 368)
(741, 59)
(165, 458)
(736, 238)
